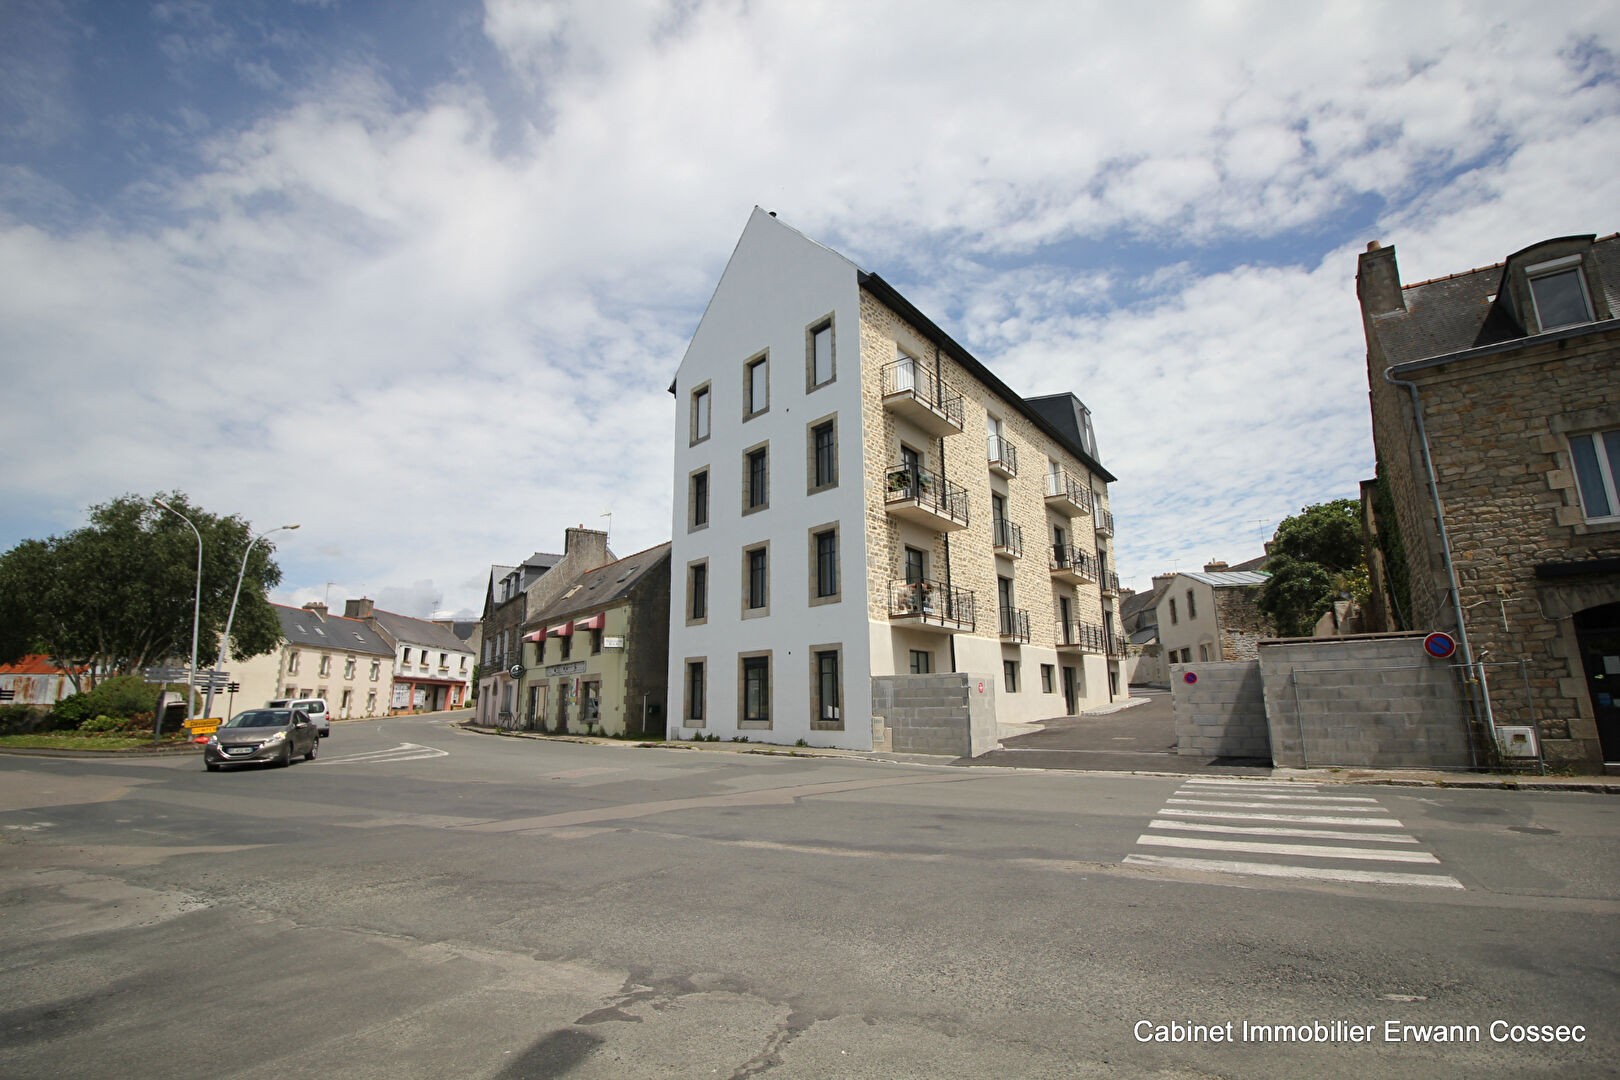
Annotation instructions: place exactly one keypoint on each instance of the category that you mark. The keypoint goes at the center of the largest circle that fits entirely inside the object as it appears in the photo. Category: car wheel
(286, 757)
(211, 766)
(314, 748)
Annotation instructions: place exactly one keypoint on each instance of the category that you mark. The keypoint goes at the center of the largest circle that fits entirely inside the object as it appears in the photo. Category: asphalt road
(426, 902)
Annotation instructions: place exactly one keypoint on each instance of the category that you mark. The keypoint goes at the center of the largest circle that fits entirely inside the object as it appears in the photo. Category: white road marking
(1316, 873)
(1374, 809)
(1297, 819)
(1309, 851)
(402, 752)
(1275, 797)
(1260, 830)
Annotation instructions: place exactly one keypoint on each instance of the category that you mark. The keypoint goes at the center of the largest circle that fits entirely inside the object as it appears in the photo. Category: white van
(314, 706)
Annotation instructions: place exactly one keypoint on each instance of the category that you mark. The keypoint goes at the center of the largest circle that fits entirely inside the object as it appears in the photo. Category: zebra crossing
(1284, 830)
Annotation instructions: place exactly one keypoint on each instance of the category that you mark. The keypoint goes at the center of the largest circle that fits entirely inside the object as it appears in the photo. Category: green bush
(121, 697)
(23, 719)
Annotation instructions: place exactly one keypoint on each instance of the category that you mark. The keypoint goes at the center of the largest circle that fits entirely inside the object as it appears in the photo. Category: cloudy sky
(417, 273)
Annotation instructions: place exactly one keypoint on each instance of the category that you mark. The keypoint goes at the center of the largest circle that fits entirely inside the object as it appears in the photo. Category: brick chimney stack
(1378, 281)
(362, 608)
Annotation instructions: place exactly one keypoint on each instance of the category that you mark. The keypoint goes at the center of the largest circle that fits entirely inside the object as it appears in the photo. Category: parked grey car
(260, 735)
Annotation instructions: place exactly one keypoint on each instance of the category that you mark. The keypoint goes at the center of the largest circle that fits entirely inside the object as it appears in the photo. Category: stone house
(1211, 615)
(859, 498)
(1495, 398)
(597, 654)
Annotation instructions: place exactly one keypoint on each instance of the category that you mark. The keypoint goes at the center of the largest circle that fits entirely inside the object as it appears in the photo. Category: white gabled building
(856, 496)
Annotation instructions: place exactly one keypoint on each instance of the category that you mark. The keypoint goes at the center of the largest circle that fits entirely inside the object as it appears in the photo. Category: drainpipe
(950, 595)
(1445, 541)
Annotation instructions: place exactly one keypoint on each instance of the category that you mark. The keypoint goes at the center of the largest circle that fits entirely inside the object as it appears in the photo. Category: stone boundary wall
(1372, 702)
(945, 714)
(1223, 713)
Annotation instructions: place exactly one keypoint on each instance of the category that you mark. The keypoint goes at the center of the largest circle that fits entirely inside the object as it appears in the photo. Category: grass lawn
(77, 740)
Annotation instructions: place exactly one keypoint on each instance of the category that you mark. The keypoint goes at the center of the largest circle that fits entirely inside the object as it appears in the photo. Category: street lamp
(196, 617)
(225, 639)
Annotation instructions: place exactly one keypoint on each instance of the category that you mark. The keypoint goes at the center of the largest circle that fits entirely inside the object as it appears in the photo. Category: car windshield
(260, 718)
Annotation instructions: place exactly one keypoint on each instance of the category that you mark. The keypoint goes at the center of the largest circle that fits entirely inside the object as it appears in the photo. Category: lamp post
(225, 639)
(196, 617)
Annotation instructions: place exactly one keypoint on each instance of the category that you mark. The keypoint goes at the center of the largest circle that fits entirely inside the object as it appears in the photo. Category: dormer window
(1558, 290)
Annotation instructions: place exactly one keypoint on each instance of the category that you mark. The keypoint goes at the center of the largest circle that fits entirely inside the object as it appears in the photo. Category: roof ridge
(1458, 274)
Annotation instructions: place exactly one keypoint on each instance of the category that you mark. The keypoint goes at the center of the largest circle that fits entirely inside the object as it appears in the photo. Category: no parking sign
(1440, 646)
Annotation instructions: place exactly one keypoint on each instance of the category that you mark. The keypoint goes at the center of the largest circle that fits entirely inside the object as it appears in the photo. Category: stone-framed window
(754, 690)
(702, 414)
(826, 585)
(827, 687)
(695, 692)
(697, 592)
(820, 355)
(756, 580)
(1595, 456)
(821, 454)
(756, 385)
(697, 499)
(756, 478)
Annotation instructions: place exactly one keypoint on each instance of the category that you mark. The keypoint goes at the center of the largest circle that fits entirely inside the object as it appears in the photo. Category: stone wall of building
(952, 715)
(1243, 625)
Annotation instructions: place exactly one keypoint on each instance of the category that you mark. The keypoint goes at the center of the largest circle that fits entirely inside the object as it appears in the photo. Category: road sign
(164, 674)
(1190, 678)
(1440, 646)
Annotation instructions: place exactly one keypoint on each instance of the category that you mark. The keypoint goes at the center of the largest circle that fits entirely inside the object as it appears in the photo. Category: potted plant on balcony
(899, 480)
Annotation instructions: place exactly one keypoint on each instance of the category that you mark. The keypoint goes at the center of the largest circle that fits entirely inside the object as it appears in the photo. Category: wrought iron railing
(908, 483)
(932, 602)
(1007, 536)
(1063, 484)
(909, 376)
(1074, 560)
(1086, 636)
(1104, 520)
(1014, 624)
(1002, 453)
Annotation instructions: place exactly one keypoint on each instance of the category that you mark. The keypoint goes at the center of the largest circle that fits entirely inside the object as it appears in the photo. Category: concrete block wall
(946, 714)
(1222, 713)
(1373, 702)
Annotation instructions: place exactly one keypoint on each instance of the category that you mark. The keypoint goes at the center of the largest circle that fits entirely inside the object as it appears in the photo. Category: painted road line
(1309, 851)
(1275, 797)
(1261, 830)
(1335, 808)
(1297, 819)
(1314, 873)
(402, 752)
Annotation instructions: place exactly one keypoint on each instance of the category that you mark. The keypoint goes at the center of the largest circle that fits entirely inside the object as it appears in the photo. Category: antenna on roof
(609, 515)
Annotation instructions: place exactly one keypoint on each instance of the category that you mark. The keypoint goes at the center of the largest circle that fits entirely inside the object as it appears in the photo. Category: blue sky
(416, 274)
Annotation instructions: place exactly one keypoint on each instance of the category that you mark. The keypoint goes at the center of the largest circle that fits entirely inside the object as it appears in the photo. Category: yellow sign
(203, 725)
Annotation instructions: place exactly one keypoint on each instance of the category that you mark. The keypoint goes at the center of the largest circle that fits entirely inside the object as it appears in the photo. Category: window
(827, 707)
(326, 664)
(700, 414)
(697, 592)
(1173, 619)
(376, 670)
(1597, 473)
(695, 689)
(756, 580)
(1559, 292)
(567, 643)
(596, 642)
(905, 370)
(916, 566)
(1203, 652)
(1048, 679)
(405, 657)
(756, 479)
(371, 702)
(755, 687)
(292, 662)
(1009, 676)
(921, 662)
(348, 668)
(823, 456)
(697, 501)
(756, 386)
(818, 360)
(1192, 605)
(540, 651)
(825, 547)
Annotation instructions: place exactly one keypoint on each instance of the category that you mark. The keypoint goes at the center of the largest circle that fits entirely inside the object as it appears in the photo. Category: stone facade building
(859, 498)
(1496, 416)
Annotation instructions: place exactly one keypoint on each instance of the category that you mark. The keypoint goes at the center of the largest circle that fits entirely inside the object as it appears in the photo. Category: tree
(117, 595)
(1315, 556)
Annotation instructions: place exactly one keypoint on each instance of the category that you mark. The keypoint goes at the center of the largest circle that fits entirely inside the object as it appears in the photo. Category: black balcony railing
(1109, 580)
(910, 377)
(1075, 561)
(931, 602)
(1002, 454)
(1062, 484)
(1116, 644)
(1085, 636)
(1007, 537)
(1014, 624)
(908, 483)
(1104, 520)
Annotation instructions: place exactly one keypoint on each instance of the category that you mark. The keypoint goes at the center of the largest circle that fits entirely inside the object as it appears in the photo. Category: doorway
(1598, 632)
(1071, 694)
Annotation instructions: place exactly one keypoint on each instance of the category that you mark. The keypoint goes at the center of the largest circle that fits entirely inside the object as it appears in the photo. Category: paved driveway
(1140, 738)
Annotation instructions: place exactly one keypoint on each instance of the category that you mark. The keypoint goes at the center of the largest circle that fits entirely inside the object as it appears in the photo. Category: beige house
(1496, 416)
(321, 655)
(859, 498)
(1211, 615)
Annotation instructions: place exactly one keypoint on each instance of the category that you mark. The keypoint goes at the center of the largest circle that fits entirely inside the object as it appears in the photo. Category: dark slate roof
(1465, 311)
(603, 587)
(1137, 603)
(412, 631)
(300, 626)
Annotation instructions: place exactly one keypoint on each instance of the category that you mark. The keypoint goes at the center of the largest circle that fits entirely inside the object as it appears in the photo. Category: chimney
(1214, 567)
(358, 609)
(1378, 281)
(317, 607)
(1161, 580)
(587, 547)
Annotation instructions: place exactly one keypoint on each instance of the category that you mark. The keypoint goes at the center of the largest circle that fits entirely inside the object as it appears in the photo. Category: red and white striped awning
(538, 635)
(595, 622)
(561, 630)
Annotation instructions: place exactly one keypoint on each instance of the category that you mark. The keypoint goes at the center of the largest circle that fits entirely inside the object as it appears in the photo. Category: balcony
(1066, 494)
(1003, 456)
(1116, 645)
(1072, 565)
(1080, 637)
(1109, 580)
(925, 498)
(1104, 520)
(1006, 538)
(911, 391)
(1014, 625)
(930, 605)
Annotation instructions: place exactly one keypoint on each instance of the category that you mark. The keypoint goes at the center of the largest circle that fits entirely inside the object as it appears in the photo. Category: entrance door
(532, 720)
(562, 707)
(1598, 631)
(1071, 696)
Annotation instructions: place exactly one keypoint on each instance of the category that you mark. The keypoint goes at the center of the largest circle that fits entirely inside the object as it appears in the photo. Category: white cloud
(435, 324)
